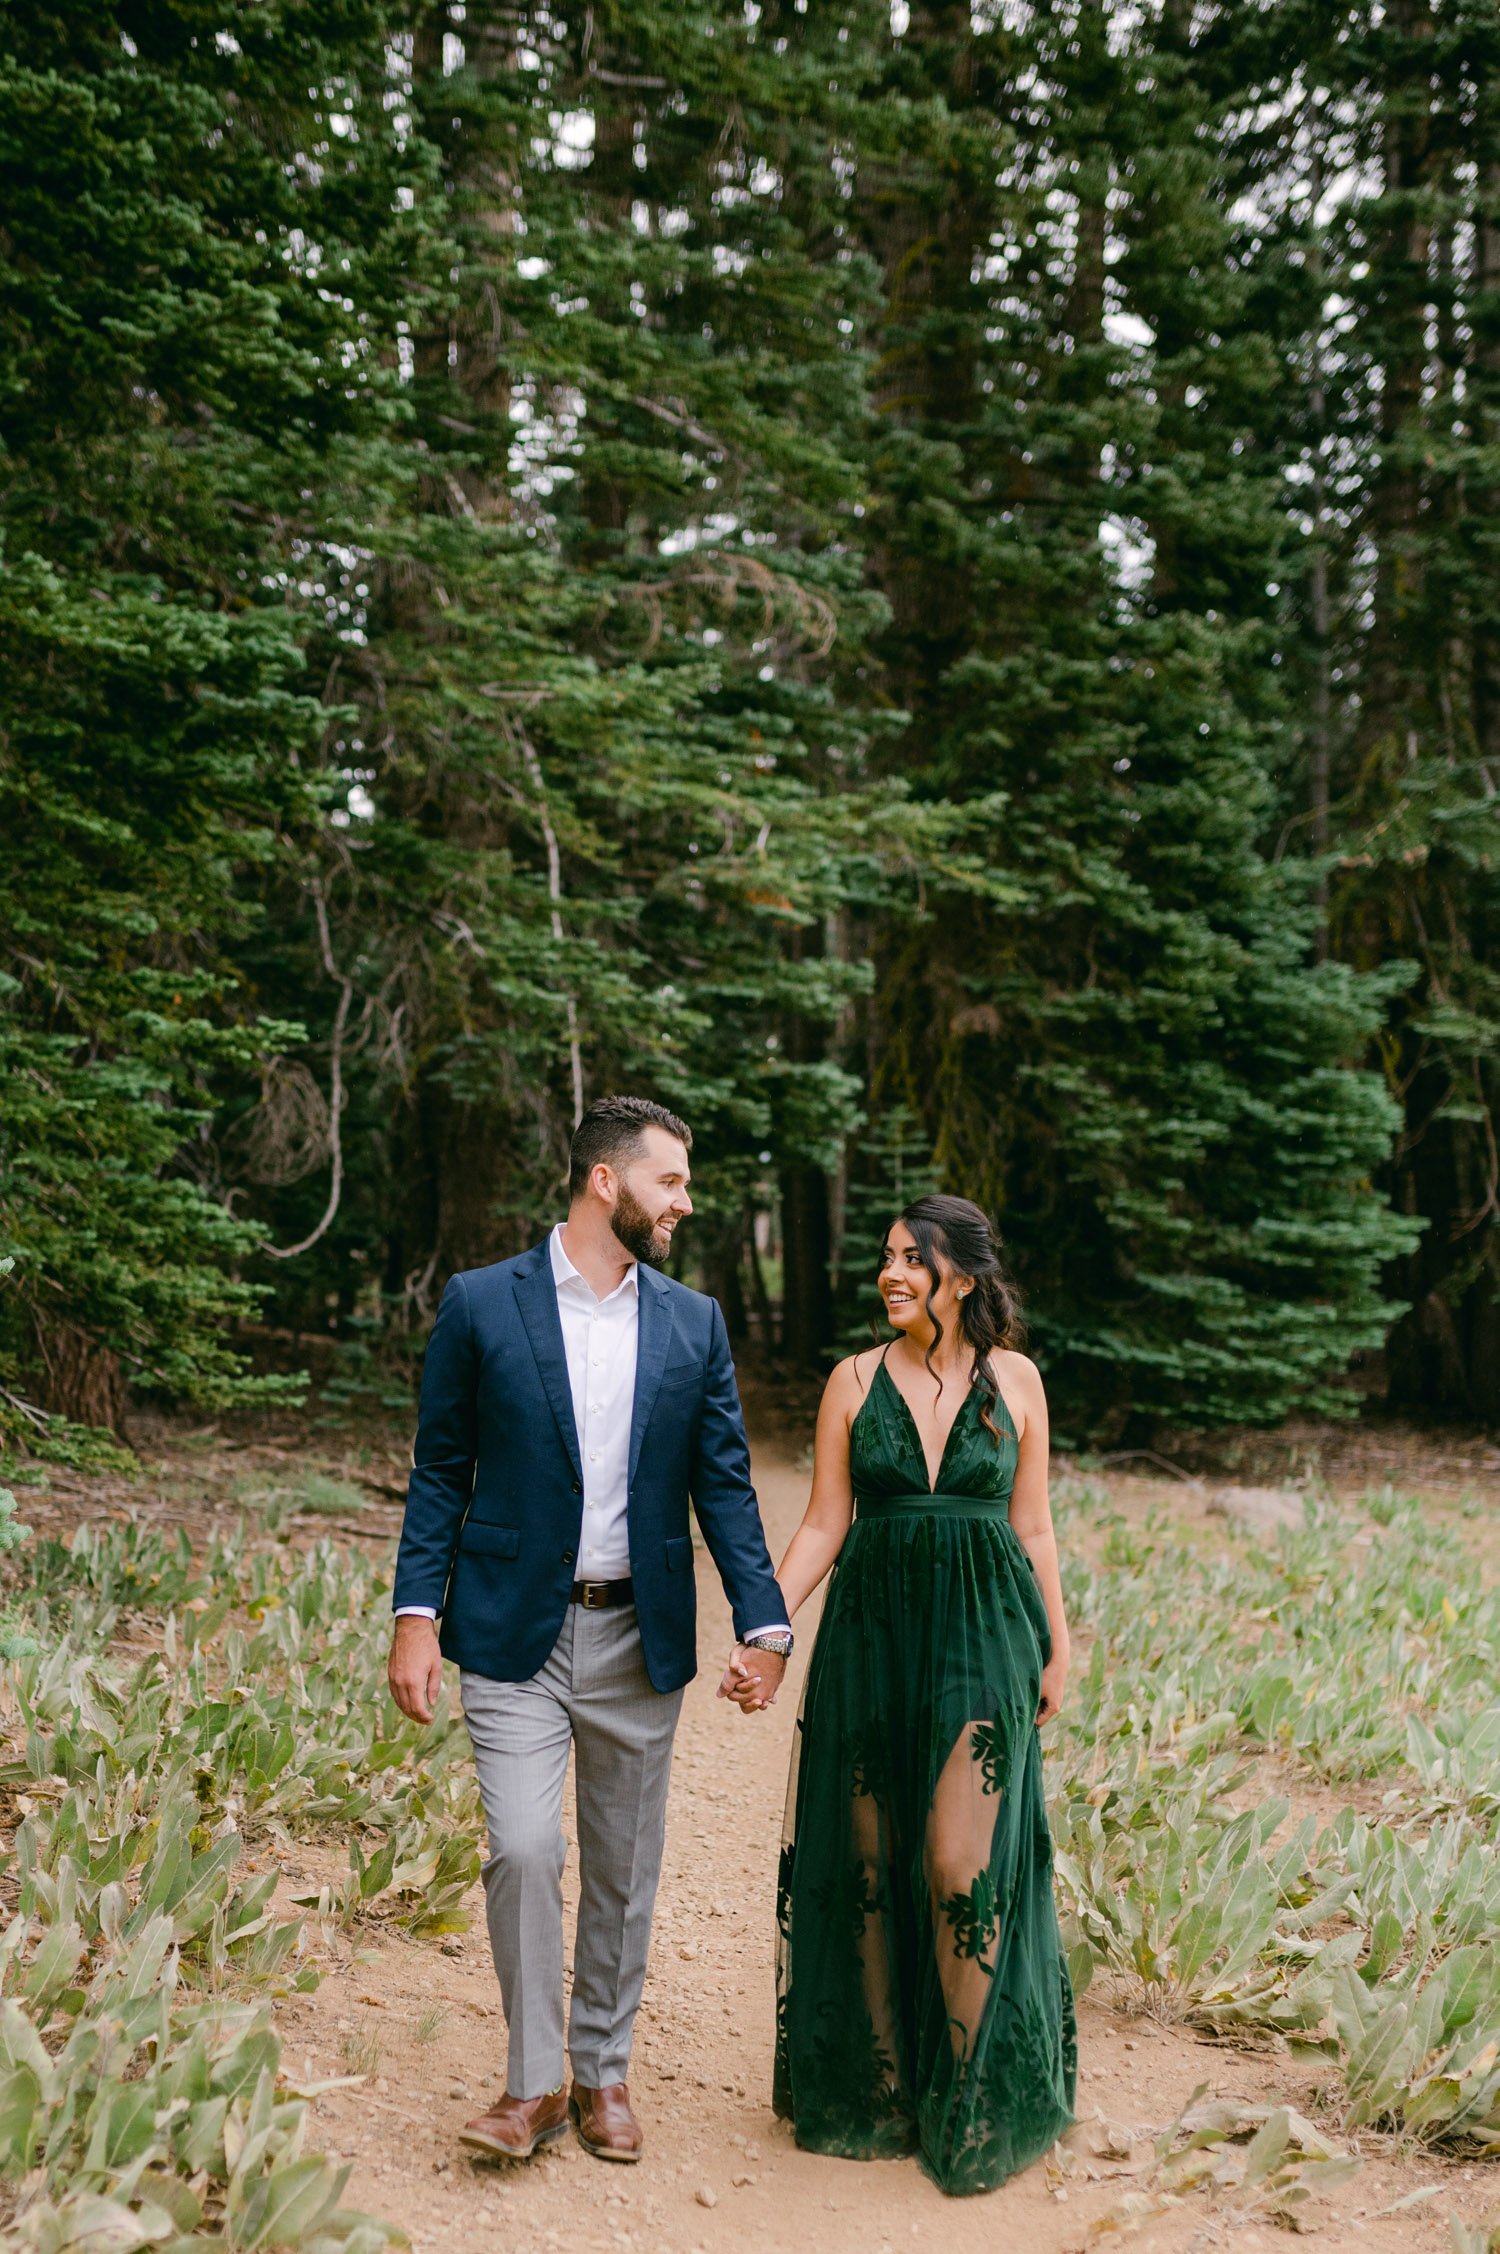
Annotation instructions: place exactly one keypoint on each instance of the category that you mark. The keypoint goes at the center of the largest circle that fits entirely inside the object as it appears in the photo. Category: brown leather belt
(598, 1596)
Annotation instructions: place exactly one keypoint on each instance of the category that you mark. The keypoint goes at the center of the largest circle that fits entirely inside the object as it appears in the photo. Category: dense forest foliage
(917, 582)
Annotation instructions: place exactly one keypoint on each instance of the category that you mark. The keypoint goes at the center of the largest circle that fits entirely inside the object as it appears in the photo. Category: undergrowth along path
(1273, 1792)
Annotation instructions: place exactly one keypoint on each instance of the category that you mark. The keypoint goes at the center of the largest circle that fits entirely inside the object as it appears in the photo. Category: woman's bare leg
(965, 1915)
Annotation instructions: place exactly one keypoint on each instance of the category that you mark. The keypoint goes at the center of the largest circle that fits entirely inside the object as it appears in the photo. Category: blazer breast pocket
(681, 1374)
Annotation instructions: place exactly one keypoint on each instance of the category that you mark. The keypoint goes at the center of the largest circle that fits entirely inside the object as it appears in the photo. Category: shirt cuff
(416, 1612)
(779, 1628)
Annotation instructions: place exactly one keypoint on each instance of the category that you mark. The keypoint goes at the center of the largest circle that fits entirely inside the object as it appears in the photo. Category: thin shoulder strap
(890, 1342)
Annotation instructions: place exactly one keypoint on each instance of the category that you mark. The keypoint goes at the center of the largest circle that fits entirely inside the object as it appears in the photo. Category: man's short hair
(611, 1132)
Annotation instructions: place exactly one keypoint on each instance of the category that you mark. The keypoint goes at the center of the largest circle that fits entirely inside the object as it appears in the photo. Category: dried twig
(1150, 1456)
(527, 749)
(335, 1086)
(678, 419)
(41, 1418)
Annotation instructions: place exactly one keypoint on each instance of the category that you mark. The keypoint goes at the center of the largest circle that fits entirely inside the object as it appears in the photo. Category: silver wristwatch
(779, 1640)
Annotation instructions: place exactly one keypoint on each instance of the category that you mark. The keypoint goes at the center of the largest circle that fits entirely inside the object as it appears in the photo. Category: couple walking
(573, 1401)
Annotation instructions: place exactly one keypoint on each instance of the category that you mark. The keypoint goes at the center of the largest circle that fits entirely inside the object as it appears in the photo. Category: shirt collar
(565, 1274)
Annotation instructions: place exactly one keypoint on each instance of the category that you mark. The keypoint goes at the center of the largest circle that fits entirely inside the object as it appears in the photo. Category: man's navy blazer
(495, 1505)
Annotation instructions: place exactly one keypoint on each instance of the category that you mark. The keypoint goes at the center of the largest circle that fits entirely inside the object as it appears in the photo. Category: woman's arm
(830, 1507)
(1031, 1514)
(812, 1550)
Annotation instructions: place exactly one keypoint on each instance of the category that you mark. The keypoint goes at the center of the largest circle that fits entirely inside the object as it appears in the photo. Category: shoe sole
(493, 2149)
(603, 2151)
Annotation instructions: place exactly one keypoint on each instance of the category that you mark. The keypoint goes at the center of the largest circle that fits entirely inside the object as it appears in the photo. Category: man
(573, 1400)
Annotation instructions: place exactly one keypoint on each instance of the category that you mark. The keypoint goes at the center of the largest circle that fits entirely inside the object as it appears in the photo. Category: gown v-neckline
(934, 1482)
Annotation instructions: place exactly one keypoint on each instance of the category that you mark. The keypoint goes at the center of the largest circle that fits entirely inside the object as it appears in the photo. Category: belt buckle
(594, 1596)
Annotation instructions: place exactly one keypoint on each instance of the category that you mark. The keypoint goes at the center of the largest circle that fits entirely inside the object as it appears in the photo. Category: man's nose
(682, 1203)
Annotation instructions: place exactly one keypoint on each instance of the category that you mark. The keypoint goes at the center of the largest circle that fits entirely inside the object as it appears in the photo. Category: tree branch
(528, 753)
(335, 1086)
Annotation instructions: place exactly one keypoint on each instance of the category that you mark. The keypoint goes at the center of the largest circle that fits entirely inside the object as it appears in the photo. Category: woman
(923, 2000)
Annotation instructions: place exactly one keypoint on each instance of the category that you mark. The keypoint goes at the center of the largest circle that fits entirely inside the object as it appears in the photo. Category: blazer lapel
(536, 1294)
(652, 1340)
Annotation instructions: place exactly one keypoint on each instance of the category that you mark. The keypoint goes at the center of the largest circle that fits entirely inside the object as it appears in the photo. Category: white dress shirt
(600, 1340)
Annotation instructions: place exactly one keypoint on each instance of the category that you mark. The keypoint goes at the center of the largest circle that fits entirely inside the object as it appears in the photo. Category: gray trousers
(594, 1696)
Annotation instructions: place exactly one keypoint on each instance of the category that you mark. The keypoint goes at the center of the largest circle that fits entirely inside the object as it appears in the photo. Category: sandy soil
(719, 2172)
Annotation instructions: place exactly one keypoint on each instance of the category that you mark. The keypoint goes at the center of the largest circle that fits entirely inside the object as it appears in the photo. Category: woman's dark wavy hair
(954, 1233)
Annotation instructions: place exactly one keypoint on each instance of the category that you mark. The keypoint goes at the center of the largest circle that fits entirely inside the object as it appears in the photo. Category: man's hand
(752, 1678)
(415, 1668)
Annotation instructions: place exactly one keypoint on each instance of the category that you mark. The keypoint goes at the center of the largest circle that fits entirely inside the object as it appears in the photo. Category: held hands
(415, 1668)
(752, 1678)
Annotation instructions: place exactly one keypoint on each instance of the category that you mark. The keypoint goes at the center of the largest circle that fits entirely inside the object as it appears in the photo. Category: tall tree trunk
(806, 1215)
(1405, 151)
(462, 391)
(723, 1274)
(1485, 383)
(1320, 732)
(807, 1292)
(84, 1381)
(924, 226)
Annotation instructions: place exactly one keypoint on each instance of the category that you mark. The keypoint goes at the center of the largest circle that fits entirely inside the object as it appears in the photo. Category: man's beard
(636, 1230)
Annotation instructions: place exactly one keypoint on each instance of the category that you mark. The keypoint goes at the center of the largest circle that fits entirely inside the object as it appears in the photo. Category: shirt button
(593, 1455)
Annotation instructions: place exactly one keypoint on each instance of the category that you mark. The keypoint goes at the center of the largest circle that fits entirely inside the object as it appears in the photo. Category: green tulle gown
(923, 2001)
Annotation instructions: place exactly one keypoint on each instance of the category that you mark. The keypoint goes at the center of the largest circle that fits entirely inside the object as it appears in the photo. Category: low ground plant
(1358, 1649)
(1266, 2163)
(1209, 1921)
(173, 1713)
(177, 1713)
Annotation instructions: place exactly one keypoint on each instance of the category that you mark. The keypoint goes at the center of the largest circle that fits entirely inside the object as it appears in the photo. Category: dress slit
(964, 1904)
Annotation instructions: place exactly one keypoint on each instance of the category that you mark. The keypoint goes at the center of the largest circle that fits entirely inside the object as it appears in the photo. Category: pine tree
(187, 386)
(918, 584)
(1415, 817)
(1135, 1060)
(612, 794)
(1380, 206)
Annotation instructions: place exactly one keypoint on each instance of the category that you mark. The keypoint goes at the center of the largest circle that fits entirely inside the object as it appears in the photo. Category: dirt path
(719, 2172)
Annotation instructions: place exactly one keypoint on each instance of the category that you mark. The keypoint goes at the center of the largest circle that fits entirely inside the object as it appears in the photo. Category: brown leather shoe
(515, 2126)
(606, 2126)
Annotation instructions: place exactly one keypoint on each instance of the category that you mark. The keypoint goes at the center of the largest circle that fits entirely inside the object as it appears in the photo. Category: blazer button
(578, 1486)
(567, 1557)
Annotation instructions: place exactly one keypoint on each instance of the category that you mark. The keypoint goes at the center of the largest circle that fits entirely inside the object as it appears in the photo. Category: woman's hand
(1054, 1682)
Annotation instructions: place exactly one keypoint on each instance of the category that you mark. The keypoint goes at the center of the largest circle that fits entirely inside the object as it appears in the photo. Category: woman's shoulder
(1008, 1361)
(845, 1393)
(1021, 1388)
(850, 1379)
